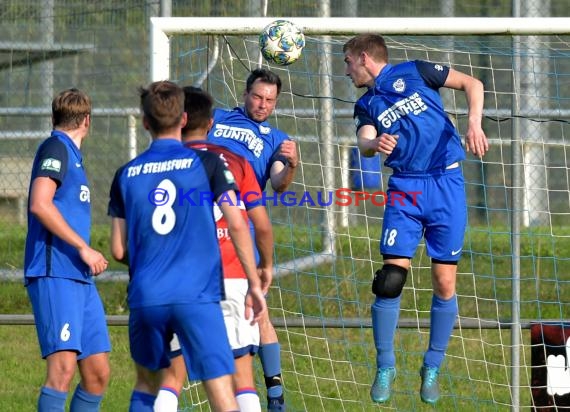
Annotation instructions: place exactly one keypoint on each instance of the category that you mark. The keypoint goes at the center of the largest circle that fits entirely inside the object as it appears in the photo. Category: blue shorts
(69, 316)
(428, 205)
(200, 329)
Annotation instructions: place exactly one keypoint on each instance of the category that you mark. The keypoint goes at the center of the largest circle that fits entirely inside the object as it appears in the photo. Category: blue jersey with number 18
(165, 196)
(405, 101)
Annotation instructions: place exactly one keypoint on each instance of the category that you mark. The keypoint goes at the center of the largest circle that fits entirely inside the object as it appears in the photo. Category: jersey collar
(165, 144)
(65, 139)
(383, 73)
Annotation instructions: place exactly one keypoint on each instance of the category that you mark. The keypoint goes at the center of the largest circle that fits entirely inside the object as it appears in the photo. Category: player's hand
(385, 143)
(266, 276)
(94, 259)
(288, 149)
(255, 305)
(476, 142)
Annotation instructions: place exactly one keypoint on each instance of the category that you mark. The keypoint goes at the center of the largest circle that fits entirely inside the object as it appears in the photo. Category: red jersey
(249, 196)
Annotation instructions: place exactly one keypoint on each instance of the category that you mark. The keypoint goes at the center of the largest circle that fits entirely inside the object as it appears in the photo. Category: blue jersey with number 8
(165, 196)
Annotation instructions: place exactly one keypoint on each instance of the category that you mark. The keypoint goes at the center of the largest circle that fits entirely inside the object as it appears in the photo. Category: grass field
(328, 368)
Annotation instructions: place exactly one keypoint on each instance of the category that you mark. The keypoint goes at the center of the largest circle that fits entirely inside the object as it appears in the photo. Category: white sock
(166, 401)
(248, 402)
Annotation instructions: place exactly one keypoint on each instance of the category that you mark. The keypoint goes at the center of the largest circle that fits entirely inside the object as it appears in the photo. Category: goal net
(515, 268)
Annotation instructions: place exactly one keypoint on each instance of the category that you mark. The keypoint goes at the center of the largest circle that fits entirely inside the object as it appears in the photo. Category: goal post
(515, 264)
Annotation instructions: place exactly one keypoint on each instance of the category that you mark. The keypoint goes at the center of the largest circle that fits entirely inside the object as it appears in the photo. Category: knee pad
(389, 281)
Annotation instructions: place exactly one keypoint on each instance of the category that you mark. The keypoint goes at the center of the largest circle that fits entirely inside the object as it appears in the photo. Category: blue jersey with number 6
(165, 195)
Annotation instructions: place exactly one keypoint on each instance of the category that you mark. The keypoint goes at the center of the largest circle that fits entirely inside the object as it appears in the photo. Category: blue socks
(270, 356)
(51, 400)
(142, 402)
(83, 401)
(385, 314)
(443, 314)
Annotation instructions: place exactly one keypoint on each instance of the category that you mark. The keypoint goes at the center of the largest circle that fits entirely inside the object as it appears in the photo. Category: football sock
(51, 400)
(141, 402)
(166, 401)
(385, 314)
(443, 314)
(270, 356)
(83, 401)
(248, 400)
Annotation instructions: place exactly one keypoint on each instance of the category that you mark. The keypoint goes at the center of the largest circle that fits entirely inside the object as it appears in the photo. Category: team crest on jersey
(51, 164)
(264, 129)
(399, 85)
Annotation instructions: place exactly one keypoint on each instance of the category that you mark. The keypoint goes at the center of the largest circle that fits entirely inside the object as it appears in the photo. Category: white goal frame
(162, 28)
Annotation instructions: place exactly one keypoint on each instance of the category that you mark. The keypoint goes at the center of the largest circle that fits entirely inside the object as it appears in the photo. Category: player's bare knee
(389, 281)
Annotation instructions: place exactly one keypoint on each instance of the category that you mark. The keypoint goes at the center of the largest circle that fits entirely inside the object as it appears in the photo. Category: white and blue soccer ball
(281, 42)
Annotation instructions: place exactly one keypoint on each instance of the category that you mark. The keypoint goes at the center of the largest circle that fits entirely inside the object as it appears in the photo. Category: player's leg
(94, 359)
(220, 394)
(88, 394)
(444, 240)
(270, 357)
(146, 387)
(401, 233)
(207, 354)
(55, 303)
(244, 385)
(61, 367)
(173, 380)
(149, 336)
(244, 341)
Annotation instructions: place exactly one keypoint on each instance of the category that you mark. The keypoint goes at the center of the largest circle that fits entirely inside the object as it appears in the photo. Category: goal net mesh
(325, 256)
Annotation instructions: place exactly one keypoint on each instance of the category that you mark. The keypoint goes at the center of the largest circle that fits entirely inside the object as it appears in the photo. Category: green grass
(328, 368)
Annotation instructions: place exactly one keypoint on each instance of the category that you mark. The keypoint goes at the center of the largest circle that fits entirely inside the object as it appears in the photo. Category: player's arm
(241, 239)
(369, 143)
(282, 174)
(475, 139)
(116, 209)
(119, 246)
(264, 243)
(43, 208)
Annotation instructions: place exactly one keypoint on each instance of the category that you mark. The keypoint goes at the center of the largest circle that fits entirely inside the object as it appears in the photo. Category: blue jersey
(405, 101)
(257, 142)
(165, 195)
(47, 255)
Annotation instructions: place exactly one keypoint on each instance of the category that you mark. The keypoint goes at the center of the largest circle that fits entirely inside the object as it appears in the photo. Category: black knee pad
(389, 281)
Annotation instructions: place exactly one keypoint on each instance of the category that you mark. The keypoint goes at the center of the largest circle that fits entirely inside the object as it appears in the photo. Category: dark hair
(265, 76)
(162, 104)
(199, 106)
(69, 108)
(373, 44)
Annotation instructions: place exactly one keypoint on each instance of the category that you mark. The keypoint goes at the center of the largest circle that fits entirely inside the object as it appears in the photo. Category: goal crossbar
(163, 27)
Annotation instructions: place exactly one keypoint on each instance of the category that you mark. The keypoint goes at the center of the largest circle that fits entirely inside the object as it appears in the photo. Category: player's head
(262, 88)
(162, 104)
(364, 56)
(71, 109)
(199, 107)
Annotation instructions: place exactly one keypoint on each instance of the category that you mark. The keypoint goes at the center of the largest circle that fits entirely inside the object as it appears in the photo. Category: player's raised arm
(282, 174)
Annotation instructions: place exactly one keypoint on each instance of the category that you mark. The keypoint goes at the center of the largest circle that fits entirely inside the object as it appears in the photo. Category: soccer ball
(281, 42)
